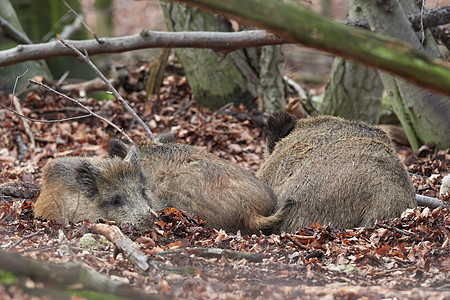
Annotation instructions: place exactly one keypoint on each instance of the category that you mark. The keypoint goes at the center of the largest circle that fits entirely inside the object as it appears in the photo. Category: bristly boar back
(224, 195)
(337, 172)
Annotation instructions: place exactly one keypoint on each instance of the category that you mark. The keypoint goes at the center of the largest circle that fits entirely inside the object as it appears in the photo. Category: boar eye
(116, 200)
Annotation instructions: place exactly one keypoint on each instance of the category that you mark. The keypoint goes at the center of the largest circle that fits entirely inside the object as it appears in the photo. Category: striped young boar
(224, 195)
(337, 172)
(78, 188)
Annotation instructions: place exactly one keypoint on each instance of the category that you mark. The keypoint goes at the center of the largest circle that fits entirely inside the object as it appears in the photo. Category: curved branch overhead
(298, 24)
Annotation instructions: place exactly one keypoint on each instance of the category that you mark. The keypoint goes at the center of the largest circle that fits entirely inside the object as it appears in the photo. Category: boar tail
(271, 224)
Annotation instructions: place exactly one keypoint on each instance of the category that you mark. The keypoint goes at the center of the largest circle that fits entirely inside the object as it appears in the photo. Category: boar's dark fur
(224, 195)
(338, 172)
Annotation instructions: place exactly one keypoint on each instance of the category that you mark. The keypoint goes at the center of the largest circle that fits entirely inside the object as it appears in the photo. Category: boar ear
(278, 126)
(87, 176)
(133, 156)
(117, 148)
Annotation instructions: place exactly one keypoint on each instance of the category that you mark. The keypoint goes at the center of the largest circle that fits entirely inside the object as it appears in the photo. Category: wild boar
(224, 195)
(338, 172)
(78, 188)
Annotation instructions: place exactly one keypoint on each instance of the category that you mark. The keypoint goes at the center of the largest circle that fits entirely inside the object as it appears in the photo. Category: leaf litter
(407, 257)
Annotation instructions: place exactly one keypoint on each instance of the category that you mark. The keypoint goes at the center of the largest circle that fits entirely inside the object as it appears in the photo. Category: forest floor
(404, 258)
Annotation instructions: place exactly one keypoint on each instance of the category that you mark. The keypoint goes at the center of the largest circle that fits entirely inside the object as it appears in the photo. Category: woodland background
(404, 258)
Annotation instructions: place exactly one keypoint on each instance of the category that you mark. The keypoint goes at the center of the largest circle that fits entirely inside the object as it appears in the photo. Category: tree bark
(8, 75)
(300, 25)
(423, 115)
(425, 118)
(271, 75)
(353, 91)
(215, 81)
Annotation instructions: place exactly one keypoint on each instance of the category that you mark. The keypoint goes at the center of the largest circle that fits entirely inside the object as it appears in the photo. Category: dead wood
(429, 201)
(123, 244)
(217, 41)
(216, 253)
(20, 189)
(70, 275)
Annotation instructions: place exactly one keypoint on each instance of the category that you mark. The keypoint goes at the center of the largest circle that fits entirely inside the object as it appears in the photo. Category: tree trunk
(353, 91)
(42, 20)
(272, 83)
(423, 115)
(232, 78)
(8, 75)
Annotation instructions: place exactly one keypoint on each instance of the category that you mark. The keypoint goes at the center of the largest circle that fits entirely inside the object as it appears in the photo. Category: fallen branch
(216, 253)
(70, 275)
(123, 244)
(398, 230)
(429, 202)
(296, 243)
(111, 88)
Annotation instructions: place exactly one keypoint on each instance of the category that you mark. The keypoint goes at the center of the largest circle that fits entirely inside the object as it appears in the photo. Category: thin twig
(25, 123)
(86, 58)
(296, 243)
(394, 228)
(17, 80)
(82, 22)
(24, 238)
(42, 121)
(91, 113)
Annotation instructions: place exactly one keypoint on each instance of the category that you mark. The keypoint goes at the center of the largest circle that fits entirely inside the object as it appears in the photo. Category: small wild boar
(78, 188)
(224, 195)
(337, 172)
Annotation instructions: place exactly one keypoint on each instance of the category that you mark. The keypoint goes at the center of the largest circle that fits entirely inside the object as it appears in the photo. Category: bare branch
(217, 41)
(424, 19)
(13, 33)
(123, 243)
(91, 113)
(109, 85)
(82, 21)
(41, 121)
(431, 18)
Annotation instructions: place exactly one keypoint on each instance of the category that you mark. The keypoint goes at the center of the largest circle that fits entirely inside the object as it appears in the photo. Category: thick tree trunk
(271, 75)
(215, 81)
(232, 78)
(423, 115)
(354, 91)
(8, 75)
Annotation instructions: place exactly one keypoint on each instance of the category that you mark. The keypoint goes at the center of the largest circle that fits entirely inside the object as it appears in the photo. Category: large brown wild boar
(338, 172)
(224, 195)
(78, 188)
